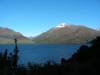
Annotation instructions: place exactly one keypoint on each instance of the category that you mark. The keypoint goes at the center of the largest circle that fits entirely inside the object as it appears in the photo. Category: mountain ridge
(60, 34)
(8, 35)
(67, 33)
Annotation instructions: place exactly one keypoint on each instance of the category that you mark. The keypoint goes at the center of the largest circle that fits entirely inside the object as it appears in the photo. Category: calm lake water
(42, 53)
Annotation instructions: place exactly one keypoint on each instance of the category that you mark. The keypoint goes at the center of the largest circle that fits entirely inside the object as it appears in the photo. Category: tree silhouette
(14, 58)
(15, 55)
(86, 61)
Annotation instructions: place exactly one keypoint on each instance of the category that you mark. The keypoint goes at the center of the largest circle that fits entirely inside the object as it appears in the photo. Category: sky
(33, 17)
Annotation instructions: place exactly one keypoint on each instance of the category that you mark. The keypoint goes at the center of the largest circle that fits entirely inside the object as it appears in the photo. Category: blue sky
(32, 17)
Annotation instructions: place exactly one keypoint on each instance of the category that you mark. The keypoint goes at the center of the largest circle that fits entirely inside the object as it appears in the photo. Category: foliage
(86, 61)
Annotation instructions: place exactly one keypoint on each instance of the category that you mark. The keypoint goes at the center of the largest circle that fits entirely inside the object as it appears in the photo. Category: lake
(41, 53)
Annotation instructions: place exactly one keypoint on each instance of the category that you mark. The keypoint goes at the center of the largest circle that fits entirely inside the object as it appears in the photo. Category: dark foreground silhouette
(86, 61)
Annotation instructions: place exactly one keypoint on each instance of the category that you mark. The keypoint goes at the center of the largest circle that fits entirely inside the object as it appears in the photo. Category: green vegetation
(10, 41)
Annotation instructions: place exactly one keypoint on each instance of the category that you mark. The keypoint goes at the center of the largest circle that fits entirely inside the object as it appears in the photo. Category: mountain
(8, 35)
(67, 33)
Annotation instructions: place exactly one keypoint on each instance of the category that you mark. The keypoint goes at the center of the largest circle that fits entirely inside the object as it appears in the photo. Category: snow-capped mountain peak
(62, 25)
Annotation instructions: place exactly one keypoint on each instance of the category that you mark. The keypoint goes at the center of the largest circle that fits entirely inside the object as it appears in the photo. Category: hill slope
(65, 33)
(8, 35)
